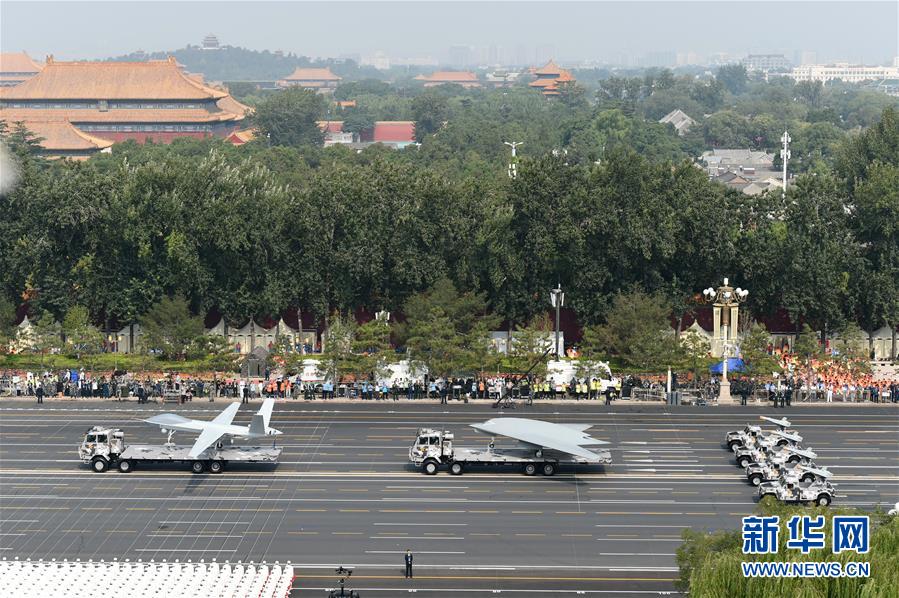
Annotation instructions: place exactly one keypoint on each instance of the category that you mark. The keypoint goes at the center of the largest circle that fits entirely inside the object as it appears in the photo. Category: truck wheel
(198, 467)
(755, 479)
(743, 461)
(782, 442)
(794, 459)
(99, 464)
(456, 468)
(809, 477)
(733, 443)
(126, 466)
(823, 500)
(216, 466)
(549, 469)
(530, 469)
(430, 467)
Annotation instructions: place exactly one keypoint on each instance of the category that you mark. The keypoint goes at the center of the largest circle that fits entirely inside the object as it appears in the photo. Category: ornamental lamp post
(725, 302)
(557, 300)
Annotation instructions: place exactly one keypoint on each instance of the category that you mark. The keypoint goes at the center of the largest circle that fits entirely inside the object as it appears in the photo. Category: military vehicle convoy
(777, 464)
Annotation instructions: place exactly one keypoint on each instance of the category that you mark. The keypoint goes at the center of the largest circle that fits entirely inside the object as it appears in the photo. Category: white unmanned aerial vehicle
(210, 432)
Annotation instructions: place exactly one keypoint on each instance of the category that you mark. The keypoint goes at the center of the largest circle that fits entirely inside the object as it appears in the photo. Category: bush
(710, 562)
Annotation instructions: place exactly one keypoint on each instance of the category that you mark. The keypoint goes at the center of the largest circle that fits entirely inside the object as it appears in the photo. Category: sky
(855, 31)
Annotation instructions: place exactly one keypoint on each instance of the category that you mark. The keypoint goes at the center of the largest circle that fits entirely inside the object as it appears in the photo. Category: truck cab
(431, 447)
(101, 445)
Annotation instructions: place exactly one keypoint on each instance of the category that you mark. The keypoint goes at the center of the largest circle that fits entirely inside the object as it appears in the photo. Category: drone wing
(207, 438)
(559, 437)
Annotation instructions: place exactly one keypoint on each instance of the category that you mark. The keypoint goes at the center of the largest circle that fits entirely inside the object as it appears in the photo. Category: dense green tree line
(257, 230)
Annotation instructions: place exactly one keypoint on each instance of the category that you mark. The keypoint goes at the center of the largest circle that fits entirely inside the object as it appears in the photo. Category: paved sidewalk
(735, 402)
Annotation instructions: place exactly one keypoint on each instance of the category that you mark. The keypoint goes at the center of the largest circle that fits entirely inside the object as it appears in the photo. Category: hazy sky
(855, 31)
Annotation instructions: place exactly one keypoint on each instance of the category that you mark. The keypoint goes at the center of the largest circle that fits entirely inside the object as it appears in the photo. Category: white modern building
(850, 73)
(766, 62)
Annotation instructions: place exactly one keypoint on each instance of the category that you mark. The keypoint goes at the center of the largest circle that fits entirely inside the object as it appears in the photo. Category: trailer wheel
(530, 469)
(456, 468)
(126, 466)
(755, 479)
(743, 461)
(99, 464)
(823, 500)
(430, 467)
(197, 467)
(549, 469)
(216, 466)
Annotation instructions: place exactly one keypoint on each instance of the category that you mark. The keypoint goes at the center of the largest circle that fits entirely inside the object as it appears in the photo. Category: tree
(82, 338)
(46, 336)
(338, 359)
(636, 332)
(216, 352)
(696, 349)
(357, 120)
(448, 331)
(808, 349)
(733, 77)
(290, 118)
(530, 345)
(371, 347)
(754, 351)
(429, 111)
(169, 329)
(7, 323)
(876, 225)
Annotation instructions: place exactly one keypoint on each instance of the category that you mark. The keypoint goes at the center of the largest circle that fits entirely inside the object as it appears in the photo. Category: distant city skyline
(466, 34)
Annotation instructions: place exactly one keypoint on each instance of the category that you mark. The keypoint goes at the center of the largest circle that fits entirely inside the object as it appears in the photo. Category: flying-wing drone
(541, 446)
(212, 431)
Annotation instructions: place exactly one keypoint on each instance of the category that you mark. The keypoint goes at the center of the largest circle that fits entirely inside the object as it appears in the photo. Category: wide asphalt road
(344, 494)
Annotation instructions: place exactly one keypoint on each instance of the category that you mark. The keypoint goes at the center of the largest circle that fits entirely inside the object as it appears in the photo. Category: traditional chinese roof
(242, 136)
(449, 77)
(152, 80)
(95, 115)
(18, 62)
(549, 69)
(330, 126)
(393, 131)
(61, 135)
(310, 74)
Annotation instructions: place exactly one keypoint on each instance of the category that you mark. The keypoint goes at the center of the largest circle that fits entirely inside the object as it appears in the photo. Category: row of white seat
(76, 579)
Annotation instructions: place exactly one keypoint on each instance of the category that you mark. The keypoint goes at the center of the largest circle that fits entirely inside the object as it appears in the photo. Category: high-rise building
(460, 56)
(766, 62)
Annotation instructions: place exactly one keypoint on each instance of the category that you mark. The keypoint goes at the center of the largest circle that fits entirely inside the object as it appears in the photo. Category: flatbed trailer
(433, 449)
(103, 448)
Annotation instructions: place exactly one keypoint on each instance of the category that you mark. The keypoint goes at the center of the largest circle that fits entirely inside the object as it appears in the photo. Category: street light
(725, 300)
(557, 300)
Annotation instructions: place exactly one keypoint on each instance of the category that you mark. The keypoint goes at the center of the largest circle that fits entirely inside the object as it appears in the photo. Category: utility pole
(513, 164)
(785, 156)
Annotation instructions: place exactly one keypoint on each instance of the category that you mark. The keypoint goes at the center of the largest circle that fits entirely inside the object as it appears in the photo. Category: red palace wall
(142, 136)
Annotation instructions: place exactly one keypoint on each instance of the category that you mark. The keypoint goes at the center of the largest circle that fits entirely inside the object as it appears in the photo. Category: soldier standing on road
(39, 391)
(608, 393)
(408, 558)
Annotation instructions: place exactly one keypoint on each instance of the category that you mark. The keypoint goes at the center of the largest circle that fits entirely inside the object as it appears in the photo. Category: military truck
(103, 448)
